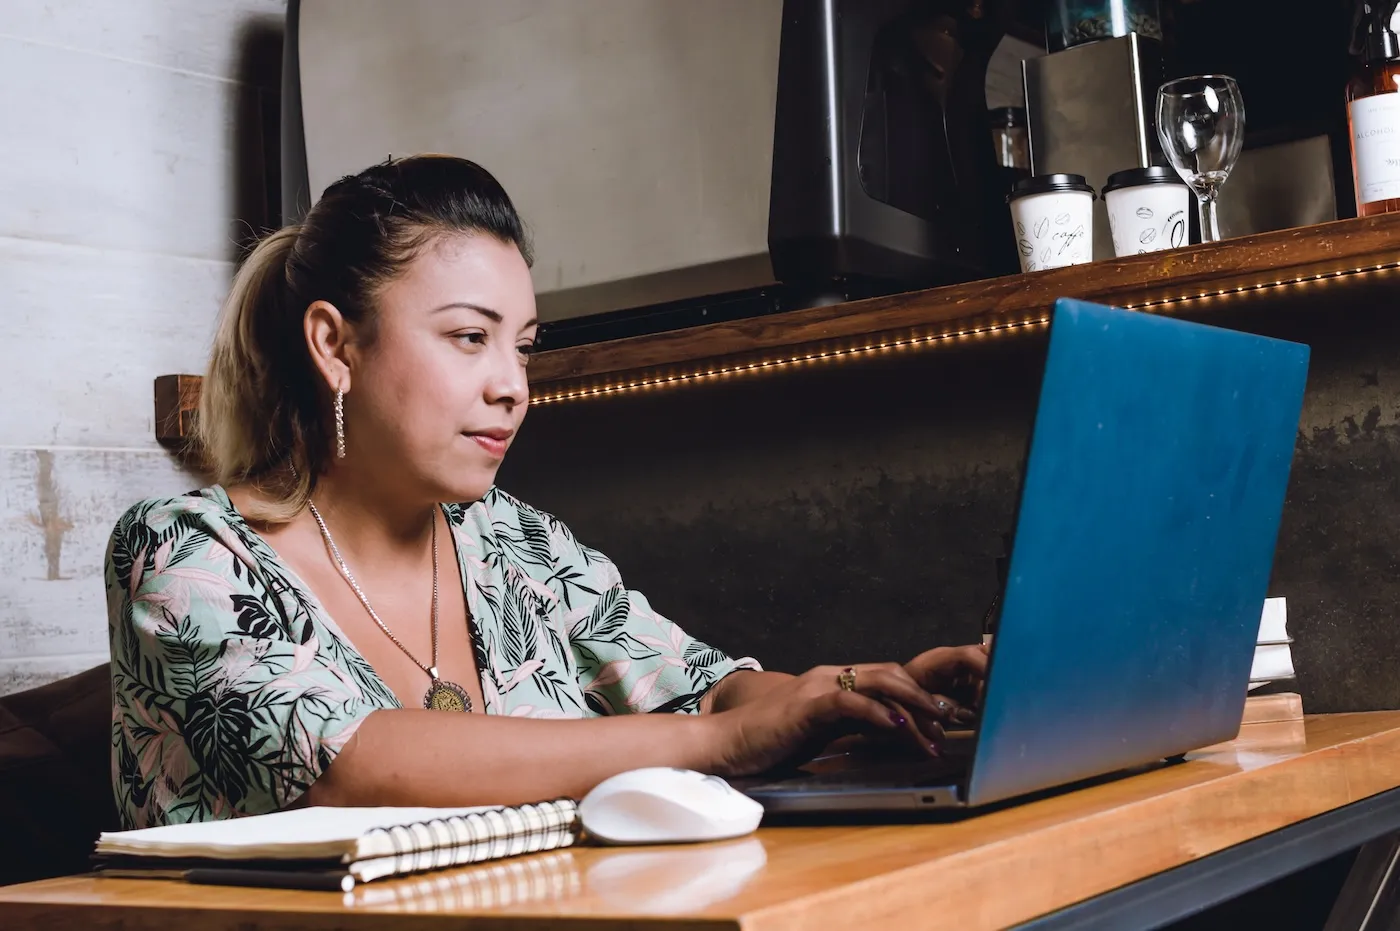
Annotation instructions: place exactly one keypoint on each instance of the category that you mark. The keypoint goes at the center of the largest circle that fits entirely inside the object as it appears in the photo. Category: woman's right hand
(793, 721)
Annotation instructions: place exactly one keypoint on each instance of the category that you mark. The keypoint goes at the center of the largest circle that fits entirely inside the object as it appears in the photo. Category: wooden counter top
(988, 871)
(1163, 281)
(1148, 281)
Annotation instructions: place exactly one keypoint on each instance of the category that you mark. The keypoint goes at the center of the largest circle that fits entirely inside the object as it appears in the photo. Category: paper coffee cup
(1149, 209)
(1053, 216)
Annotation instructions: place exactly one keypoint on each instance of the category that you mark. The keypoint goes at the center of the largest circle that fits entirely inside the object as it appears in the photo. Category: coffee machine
(884, 180)
(1091, 113)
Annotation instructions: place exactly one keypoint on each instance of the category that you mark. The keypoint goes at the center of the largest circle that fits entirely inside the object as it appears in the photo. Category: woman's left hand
(953, 675)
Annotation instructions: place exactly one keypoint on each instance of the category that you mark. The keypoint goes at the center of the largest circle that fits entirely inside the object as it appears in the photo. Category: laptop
(1149, 510)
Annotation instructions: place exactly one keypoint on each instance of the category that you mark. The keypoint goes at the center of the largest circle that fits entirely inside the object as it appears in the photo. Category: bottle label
(1375, 142)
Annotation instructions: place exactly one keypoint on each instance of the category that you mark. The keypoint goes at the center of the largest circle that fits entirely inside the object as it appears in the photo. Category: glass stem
(1210, 221)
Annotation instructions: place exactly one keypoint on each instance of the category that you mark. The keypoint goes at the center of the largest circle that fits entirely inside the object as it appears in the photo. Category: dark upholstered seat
(55, 775)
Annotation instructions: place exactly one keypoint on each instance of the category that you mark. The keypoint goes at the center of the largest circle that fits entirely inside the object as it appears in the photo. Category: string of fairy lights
(703, 372)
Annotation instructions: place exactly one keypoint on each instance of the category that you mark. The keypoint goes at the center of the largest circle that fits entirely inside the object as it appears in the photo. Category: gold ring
(846, 678)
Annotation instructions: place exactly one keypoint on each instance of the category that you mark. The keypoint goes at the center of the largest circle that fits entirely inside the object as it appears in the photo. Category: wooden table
(1090, 858)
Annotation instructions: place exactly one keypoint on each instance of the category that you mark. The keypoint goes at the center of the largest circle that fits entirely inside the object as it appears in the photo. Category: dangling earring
(339, 424)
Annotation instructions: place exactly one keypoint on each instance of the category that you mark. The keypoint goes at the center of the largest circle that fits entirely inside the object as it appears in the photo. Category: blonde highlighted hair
(264, 412)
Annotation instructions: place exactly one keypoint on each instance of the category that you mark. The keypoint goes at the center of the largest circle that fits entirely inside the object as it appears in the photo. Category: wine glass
(1200, 121)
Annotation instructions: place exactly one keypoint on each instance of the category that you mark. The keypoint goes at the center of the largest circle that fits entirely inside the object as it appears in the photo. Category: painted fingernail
(933, 749)
(964, 716)
(897, 718)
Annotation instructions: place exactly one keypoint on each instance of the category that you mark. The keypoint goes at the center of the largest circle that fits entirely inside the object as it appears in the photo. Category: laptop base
(884, 792)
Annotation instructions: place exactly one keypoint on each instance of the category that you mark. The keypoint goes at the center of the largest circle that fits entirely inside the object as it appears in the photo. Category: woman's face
(437, 397)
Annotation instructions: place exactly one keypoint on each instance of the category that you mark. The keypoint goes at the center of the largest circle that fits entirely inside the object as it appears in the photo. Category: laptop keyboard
(871, 775)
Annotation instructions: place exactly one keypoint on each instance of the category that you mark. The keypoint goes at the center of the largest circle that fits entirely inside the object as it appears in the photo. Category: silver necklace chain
(432, 670)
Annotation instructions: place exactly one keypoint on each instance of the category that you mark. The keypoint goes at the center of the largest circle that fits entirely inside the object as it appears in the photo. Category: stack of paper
(1273, 654)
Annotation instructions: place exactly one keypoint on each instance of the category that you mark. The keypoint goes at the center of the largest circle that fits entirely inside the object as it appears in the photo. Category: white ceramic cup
(1053, 216)
(1149, 209)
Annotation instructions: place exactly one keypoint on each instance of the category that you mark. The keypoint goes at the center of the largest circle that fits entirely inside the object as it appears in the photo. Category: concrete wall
(131, 166)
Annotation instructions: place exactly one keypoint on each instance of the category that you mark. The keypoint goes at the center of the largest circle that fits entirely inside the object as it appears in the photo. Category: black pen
(989, 620)
(311, 880)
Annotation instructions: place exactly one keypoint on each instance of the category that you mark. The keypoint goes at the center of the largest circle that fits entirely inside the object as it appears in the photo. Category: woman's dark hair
(263, 410)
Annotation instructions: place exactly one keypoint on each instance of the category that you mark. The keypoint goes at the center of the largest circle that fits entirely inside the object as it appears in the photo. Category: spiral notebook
(335, 848)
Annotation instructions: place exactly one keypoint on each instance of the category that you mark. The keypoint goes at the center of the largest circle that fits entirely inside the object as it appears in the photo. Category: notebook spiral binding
(488, 835)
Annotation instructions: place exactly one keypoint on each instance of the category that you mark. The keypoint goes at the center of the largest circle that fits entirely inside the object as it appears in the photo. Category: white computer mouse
(659, 805)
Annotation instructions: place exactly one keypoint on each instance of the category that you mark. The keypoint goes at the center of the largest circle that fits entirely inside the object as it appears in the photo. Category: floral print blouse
(233, 689)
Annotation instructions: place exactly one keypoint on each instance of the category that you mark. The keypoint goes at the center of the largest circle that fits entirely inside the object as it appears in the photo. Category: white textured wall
(130, 163)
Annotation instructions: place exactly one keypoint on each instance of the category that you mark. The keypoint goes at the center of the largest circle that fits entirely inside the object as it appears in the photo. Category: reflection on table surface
(648, 880)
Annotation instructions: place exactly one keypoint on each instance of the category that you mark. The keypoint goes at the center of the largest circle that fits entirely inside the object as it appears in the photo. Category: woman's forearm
(739, 688)
(411, 757)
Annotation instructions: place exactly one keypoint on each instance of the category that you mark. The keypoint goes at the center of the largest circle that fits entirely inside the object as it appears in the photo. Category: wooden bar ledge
(1268, 261)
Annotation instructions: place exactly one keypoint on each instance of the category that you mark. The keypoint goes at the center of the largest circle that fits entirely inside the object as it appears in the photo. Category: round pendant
(447, 696)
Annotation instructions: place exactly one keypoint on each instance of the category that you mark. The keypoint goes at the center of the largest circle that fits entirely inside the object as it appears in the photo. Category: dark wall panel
(851, 512)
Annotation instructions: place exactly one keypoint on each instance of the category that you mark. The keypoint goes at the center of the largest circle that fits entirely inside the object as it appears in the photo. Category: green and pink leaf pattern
(233, 690)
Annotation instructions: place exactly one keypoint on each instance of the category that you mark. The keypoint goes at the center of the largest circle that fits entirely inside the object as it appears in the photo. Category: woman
(298, 633)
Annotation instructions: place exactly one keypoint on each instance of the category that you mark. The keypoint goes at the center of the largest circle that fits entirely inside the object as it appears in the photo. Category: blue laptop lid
(1148, 516)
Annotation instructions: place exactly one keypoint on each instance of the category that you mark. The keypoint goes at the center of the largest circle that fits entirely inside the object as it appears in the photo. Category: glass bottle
(1373, 115)
(1009, 137)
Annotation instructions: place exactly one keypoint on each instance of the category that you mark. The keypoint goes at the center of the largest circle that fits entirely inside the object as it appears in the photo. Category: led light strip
(818, 356)
(1267, 285)
(570, 394)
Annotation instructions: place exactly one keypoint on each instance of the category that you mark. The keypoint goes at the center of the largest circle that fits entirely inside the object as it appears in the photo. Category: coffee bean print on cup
(1147, 210)
(1053, 218)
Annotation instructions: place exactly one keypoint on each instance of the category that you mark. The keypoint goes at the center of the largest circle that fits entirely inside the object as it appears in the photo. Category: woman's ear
(328, 336)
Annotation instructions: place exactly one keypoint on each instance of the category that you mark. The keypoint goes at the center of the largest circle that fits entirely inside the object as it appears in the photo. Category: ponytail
(248, 428)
